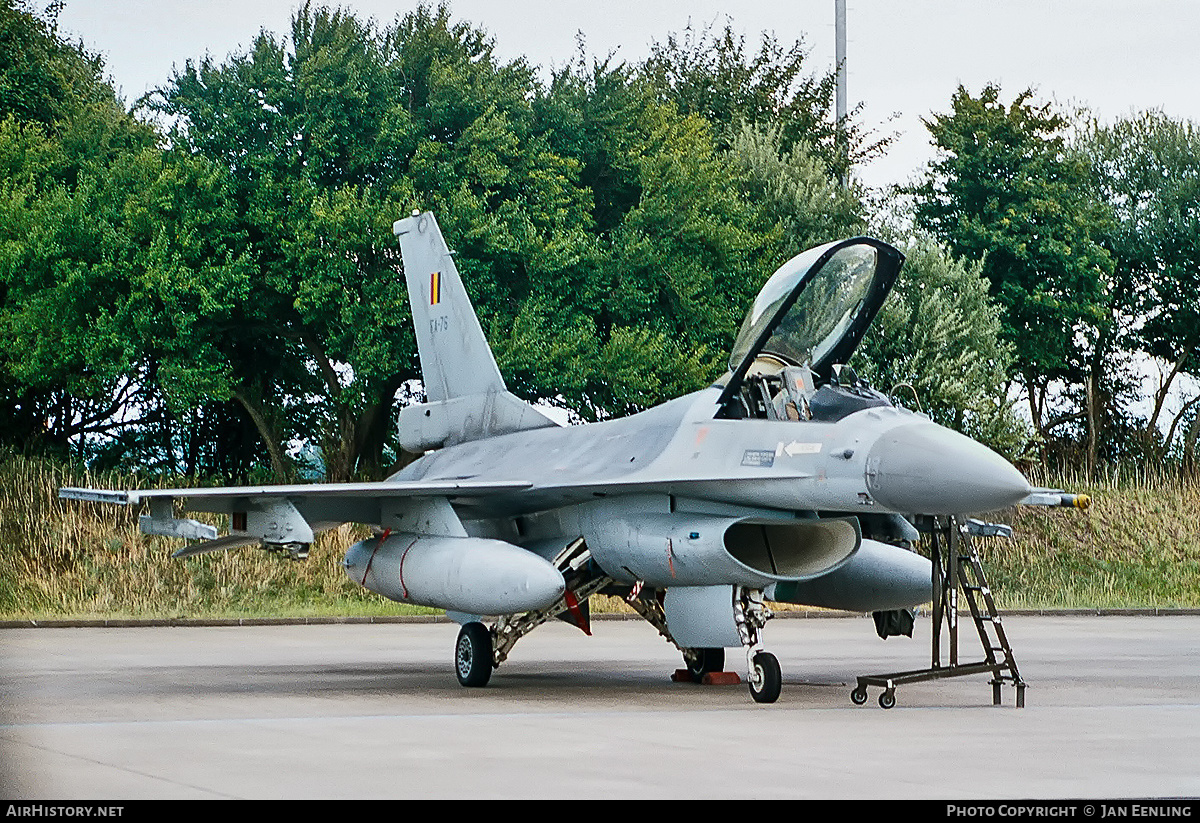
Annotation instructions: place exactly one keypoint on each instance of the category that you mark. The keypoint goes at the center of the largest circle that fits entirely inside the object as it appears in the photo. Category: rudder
(456, 360)
(467, 398)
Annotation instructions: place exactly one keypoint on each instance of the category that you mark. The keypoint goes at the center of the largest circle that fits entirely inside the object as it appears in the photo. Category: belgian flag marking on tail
(435, 288)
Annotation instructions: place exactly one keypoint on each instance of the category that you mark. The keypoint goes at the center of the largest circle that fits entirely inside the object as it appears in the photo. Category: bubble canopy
(815, 309)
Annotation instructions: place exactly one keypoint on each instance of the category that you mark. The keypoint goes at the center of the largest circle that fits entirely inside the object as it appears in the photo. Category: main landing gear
(700, 662)
(481, 648)
(473, 655)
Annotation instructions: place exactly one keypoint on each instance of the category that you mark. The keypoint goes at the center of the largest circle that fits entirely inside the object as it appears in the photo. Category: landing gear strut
(481, 648)
(750, 614)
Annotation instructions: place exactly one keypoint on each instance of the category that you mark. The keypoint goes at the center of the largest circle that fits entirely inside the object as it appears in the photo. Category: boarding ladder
(956, 565)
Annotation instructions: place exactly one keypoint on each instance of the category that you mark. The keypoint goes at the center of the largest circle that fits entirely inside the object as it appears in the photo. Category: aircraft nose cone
(924, 468)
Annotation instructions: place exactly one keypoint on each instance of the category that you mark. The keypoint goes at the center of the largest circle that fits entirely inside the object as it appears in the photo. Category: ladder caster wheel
(858, 697)
(886, 700)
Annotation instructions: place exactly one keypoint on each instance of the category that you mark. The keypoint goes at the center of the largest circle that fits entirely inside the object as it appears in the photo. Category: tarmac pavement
(374, 711)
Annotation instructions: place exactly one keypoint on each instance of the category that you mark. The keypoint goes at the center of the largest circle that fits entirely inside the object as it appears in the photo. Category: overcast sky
(904, 58)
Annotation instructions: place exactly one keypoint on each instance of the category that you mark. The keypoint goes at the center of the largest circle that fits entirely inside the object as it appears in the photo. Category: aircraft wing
(222, 499)
(289, 515)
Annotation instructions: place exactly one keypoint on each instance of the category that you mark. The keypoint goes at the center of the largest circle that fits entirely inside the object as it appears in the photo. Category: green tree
(1005, 191)
(102, 240)
(691, 215)
(43, 77)
(70, 159)
(936, 346)
(325, 138)
(672, 263)
(1147, 168)
(795, 204)
(296, 134)
(244, 279)
(720, 78)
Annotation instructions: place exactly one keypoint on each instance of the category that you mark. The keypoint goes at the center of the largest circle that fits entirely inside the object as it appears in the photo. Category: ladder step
(963, 565)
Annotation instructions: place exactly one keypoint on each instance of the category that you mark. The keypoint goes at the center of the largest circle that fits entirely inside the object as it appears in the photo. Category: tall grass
(1137, 546)
(67, 558)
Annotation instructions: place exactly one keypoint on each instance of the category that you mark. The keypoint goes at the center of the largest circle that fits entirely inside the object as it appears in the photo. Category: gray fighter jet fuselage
(789, 480)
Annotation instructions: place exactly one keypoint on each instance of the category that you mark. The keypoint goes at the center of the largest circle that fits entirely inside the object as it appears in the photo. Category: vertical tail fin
(456, 360)
(467, 398)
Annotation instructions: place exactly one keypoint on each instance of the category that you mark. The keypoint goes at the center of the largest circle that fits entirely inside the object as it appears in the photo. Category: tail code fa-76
(789, 480)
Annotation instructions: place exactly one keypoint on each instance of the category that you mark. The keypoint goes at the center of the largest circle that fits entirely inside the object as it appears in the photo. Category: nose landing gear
(765, 679)
(763, 674)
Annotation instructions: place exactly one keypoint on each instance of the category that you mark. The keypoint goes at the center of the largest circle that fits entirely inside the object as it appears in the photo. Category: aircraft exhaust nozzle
(924, 468)
(473, 575)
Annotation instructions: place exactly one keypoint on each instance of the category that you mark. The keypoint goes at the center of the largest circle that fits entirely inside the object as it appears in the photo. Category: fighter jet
(789, 480)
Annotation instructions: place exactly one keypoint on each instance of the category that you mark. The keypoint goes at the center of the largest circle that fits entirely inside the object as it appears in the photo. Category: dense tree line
(203, 282)
(1088, 237)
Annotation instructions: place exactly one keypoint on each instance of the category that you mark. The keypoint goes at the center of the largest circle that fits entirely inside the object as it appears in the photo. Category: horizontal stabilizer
(229, 541)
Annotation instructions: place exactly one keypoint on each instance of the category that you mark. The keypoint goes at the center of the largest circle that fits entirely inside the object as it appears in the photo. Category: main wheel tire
(766, 681)
(473, 655)
(704, 661)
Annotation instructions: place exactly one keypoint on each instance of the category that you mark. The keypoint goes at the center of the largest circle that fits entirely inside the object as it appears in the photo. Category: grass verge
(1138, 546)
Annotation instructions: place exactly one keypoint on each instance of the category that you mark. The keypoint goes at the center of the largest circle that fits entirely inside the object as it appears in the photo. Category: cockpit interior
(788, 360)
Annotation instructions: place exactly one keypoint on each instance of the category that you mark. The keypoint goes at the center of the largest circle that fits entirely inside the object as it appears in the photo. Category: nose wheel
(750, 615)
(766, 681)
